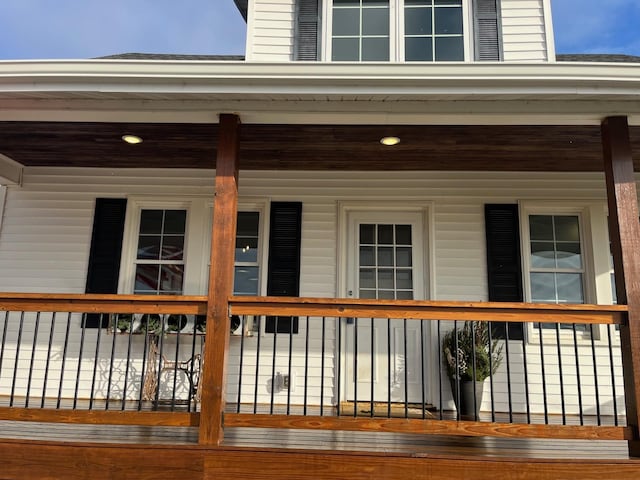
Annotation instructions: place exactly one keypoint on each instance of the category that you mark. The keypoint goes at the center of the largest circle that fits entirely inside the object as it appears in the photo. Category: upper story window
(406, 30)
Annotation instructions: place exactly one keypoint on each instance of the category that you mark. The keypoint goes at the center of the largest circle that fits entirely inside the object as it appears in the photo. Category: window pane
(542, 255)
(245, 281)
(248, 224)
(173, 247)
(541, 227)
(417, 21)
(375, 49)
(403, 234)
(367, 294)
(246, 249)
(418, 49)
(375, 3)
(149, 247)
(171, 278)
(385, 256)
(404, 279)
(375, 21)
(449, 49)
(385, 234)
(151, 221)
(569, 288)
(367, 278)
(346, 3)
(404, 295)
(568, 255)
(403, 257)
(174, 221)
(385, 279)
(345, 49)
(386, 294)
(346, 22)
(367, 234)
(448, 21)
(147, 278)
(543, 287)
(367, 256)
(567, 228)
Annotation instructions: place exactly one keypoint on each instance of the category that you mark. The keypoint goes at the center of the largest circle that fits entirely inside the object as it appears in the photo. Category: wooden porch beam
(223, 238)
(624, 230)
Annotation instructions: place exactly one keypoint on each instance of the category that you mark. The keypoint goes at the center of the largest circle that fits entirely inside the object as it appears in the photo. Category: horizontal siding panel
(522, 21)
(271, 32)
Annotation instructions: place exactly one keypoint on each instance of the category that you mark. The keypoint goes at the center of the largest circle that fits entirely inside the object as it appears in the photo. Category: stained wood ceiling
(311, 147)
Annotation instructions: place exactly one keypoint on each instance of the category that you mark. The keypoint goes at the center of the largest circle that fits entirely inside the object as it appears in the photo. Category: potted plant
(470, 357)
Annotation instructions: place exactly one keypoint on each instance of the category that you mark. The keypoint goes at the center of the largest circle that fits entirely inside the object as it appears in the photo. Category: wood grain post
(223, 239)
(624, 229)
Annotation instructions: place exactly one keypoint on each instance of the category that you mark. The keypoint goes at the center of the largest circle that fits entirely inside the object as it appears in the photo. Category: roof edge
(242, 7)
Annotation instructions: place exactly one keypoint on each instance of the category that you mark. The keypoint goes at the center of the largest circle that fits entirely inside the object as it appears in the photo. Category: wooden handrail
(102, 303)
(430, 310)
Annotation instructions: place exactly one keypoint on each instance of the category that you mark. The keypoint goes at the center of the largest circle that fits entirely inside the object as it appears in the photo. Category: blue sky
(47, 29)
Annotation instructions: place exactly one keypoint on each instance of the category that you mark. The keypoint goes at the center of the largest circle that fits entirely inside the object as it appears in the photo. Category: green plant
(469, 347)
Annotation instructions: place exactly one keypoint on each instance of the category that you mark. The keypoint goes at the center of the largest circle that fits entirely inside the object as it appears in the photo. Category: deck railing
(387, 365)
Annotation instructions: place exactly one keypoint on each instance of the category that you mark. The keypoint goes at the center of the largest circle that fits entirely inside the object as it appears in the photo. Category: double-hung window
(400, 30)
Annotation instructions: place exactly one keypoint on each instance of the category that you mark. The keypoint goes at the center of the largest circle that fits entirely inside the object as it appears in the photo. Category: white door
(384, 359)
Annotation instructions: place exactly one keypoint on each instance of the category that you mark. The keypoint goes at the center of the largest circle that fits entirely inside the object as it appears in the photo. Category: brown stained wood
(312, 147)
(96, 417)
(102, 303)
(429, 310)
(429, 427)
(624, 229)
(223, 243)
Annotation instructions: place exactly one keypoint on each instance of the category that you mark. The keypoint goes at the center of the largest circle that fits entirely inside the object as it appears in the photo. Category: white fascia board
(10, 171)
(315, 78)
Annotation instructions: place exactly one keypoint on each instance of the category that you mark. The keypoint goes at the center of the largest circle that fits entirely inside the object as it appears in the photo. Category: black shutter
(488, 34)
(283, 274)
(504, 271)
(306, 32)
(106, 248)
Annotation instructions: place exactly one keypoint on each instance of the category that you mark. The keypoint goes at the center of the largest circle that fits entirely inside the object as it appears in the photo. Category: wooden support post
(624, 229)
(223, 240)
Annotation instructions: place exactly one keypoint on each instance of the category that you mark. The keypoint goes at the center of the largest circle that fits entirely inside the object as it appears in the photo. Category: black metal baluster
(15, 366)
(160, 342)
(176, 359)
(491, 368)
(145, 354)
(422, 371)
(372, 393)
(306, 367)
(255, 387)
(440, 405)
(48, 362)
(508, 360)
(111, 360)
(579, 382)
(79, 369)
(290, 361)
(474, 377)
(355, 367)
(457, 370)
(95, 365)
(388, 367)
(613, 377)
(595, 375)
(34, 345)
(64, 359)
(322, 369)
(406, 369)
(526, 377)
(544, 376)
(193, 388)
(243, 319)
(338, 363)
(273, 365)
(127, 365)
(562, 399)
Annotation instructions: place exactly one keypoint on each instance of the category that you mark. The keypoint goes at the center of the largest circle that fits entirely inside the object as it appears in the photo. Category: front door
(384, 359)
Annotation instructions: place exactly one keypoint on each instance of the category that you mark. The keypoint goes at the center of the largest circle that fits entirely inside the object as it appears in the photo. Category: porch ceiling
(311, 147)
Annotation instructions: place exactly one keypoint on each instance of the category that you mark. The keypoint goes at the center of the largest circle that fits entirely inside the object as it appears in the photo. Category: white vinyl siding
(523, 31)
(46, 233)
(271, 30)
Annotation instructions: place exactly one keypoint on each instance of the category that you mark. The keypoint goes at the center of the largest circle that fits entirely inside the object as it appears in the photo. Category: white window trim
(597, 287)
(396, 32)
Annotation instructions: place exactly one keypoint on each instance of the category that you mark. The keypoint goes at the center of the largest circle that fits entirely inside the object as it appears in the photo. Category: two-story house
(399, 238)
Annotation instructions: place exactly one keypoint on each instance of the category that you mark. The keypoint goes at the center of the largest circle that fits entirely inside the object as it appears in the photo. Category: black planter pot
(467, 396)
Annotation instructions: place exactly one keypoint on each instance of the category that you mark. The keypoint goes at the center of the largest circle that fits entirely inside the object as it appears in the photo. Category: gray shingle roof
(597, 57)
(242, 6)
(171, 56)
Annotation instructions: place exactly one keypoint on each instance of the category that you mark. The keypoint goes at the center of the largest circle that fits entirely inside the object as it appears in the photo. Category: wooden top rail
(99, 303)
(430, 310)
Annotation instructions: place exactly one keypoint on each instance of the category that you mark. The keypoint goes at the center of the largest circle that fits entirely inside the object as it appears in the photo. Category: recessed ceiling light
(132, 139)
(389, 141)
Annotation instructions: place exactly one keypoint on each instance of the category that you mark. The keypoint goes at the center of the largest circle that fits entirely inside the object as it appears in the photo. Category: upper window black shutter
(504, 270)
(283, 274)
(306, 32)
(488, 34)
(106, 248)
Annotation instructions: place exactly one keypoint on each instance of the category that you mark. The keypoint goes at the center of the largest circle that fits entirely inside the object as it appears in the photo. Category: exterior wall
(46, 234)
(523, 30)
(271, 30)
